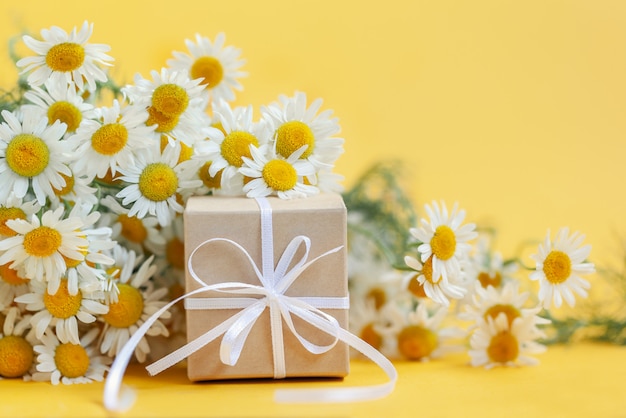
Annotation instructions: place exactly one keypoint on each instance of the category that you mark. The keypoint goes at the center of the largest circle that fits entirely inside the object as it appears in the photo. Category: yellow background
(515, 109)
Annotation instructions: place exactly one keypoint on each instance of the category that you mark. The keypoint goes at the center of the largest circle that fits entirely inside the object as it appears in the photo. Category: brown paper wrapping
(323, 219)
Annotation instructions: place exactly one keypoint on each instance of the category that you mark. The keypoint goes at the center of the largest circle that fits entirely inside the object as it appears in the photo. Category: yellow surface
(515, 109)
(582, 380)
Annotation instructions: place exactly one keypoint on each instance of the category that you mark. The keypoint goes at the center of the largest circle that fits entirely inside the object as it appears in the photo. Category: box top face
(322, 201)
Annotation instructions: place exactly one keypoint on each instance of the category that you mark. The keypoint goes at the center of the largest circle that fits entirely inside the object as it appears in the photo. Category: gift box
(224, 241)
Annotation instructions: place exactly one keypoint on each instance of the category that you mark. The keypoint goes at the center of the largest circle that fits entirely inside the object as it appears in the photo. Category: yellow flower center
(127, 310)
(10, 276)
(292, 135)
(557, 267)
(208, 68)
(109, 139)
(71, 263)
(7, 214)
(236, 145)
(370, 336)
(62, 305)
(280, 175)
(164, 122)
(27, 155)
(170, 99)
(67, 113)
(503, 347)
(133, 229)
(416, 342)
(487, 279)
(158, 182)
(16, 356)
(210, 182)
(69, 185)
(42, 241)
(378, 295)
(66, 56)
(416, 288)
(71, 360)
(510, 311)
(427, 271)
(186, 152)
(175, 253)
(443, 242)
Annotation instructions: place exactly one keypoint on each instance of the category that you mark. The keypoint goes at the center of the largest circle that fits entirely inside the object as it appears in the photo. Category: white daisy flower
(68, 362)
(15, 208)
(174, 103)
(65, 58)
(154, 184)
(32, 154)
(496, 343)
(138, 235)
(216, 65)
(226, 147)
(445, 240)
(60, 102)
(488, 267)
(293, 125)
(137, 301)
(60, 310)
(273, 175)
(492, 301)
(125, 262)
(436, 287)
(12, 285)
(77, 189)
(16, 345)
(43, 246)
(368, 321)
(559, 265)
(418, 335)
(109, 142)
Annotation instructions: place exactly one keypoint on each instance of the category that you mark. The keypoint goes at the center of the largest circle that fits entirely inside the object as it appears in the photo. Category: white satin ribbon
(274, 282)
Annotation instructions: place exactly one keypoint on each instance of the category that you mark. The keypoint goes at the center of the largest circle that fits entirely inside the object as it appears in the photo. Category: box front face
(323, 220)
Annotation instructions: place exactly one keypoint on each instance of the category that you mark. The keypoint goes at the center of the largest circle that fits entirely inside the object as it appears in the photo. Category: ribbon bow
(274, 283)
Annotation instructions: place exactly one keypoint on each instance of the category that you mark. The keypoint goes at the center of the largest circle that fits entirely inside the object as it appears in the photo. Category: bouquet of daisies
(91, 193)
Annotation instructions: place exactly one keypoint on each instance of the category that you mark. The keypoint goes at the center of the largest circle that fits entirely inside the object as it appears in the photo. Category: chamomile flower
(294, 125)
(12, 285)
(445, 240)
(32, 154)
(124, 264)
(488, 267)
(498, 343)
(436, 287)
(15, 208)
(43, 246)
(65, 58)
(68, 362)
(492, 301)
(218, 66)
(273, 175)
(227, 147)
(110, 141)
(155, 183)
(369, 322)
(16, 345)
(174, 103)
(137, 234)
(418, 335)
(137, 300)
(60, 102)
(559, 265)
(61, 310)
(77, 189)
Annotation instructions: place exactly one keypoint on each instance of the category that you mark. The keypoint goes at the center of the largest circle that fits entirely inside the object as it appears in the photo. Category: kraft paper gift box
(322, 218)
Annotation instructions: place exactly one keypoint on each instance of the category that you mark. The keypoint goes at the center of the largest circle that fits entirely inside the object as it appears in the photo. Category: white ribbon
(274, 282)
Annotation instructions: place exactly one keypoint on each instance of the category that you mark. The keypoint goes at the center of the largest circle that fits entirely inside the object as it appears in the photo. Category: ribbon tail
(112, 399)
(350, 394)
